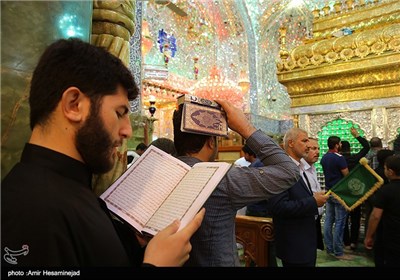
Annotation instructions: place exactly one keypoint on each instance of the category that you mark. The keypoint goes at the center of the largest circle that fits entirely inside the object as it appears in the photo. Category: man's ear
(73, 104)
(390, 171)
(210, 142)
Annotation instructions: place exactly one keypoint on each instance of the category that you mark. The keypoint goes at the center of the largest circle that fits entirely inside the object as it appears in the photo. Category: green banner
(357, 186)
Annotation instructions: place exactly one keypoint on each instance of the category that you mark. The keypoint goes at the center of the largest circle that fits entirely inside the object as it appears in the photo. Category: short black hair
(396, 145)
(75, 63)
(382, 155)
(375, 142)
(141, 146)
(186, 143)
(247, 150)
(332, 141)
(393, 162)
(346, 147)
(165, 144)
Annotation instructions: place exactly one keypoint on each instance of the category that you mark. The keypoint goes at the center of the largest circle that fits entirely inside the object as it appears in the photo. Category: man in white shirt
(309, 168)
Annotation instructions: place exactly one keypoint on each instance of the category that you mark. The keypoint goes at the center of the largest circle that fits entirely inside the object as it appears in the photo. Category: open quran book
(159, 188)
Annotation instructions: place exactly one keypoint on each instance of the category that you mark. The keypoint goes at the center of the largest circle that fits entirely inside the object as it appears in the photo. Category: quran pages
(159, 188)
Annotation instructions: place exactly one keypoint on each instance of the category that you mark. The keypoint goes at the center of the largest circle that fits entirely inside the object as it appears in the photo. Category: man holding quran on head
(196, 125)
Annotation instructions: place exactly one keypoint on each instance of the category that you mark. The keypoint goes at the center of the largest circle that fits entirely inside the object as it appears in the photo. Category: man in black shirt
(79, 101)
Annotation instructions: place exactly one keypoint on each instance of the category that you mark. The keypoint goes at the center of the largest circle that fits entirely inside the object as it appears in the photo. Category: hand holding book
(237, 120)
(159, 188)
(202, 116)
(169, 247)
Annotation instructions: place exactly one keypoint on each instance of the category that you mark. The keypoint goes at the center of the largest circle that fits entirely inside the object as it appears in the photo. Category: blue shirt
(332, 164)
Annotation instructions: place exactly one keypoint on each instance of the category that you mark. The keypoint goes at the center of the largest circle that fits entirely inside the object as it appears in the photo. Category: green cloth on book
(357, 186)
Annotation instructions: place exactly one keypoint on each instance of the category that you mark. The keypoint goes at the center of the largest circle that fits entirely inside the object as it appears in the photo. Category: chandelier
(217, 86)
(244, 82)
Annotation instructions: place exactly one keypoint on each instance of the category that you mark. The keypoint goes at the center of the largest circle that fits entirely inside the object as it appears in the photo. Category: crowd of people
(79, 115)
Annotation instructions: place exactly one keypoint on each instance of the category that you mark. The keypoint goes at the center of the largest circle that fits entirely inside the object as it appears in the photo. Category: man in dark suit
(296, 209)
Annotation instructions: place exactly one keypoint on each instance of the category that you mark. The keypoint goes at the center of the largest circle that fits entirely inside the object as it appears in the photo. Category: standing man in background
(376, 145)
(141, 148)
(251, 157)
(387, 209)
(242, 161)
(309, 168)
(350, 236)
(335, 168)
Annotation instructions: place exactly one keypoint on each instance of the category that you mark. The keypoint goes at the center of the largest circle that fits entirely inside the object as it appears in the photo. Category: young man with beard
(79, 102)
(214, 244)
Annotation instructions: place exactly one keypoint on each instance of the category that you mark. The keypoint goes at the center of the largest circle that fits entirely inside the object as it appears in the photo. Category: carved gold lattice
(381, 122)
(393, 117)
(362, 118)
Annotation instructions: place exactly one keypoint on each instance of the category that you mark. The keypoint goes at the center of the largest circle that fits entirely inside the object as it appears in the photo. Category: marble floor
(359, 258)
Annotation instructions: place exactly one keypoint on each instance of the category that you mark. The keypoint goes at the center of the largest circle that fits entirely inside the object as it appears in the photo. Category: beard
(94, 144)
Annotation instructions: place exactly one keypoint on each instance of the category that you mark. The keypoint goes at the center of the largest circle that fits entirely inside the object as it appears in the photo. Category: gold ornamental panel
(362, 74)
(343, 81)
(345, 42)
(377, 92)
(359, 19)
(365, 44)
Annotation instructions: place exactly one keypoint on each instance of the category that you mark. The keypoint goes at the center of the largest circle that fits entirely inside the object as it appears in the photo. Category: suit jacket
(294, 213)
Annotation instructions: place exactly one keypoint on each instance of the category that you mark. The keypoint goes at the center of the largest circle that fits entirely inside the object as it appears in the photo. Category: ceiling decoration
(217, 86)
(214, 34)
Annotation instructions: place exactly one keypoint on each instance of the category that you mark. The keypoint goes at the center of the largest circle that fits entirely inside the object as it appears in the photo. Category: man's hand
(320, 198)
(354, 132)
(237, 120)
(170, 247)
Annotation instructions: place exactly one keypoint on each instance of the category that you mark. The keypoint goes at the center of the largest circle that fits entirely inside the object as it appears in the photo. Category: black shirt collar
(58, 162)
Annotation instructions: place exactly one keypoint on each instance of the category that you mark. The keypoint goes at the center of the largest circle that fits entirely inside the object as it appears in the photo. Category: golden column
(112, 27)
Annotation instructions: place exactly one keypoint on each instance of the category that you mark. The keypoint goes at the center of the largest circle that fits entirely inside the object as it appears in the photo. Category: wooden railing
(254, 233)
